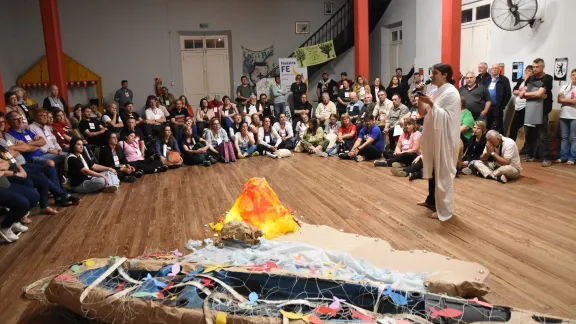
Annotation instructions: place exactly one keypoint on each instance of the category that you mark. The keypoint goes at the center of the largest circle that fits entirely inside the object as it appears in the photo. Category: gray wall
(138, 39)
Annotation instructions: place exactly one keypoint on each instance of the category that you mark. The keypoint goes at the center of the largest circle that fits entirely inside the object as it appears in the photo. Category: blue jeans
(248, 149)
(19, 199)
(568, 134)
(58, 159)
(51, 174)
(279, 108)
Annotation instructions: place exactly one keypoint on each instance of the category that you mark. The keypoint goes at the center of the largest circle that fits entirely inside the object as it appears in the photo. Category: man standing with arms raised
(440, 141)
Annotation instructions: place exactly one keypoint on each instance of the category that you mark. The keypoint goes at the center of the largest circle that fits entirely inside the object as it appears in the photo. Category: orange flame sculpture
(258, 205)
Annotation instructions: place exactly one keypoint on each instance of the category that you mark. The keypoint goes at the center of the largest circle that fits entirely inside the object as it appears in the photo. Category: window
(395, 36)
(193, 44)
(482, 12)
(467, 15)
(215, 43)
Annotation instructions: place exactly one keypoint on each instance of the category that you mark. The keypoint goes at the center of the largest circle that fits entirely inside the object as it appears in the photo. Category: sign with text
(288, 71)
(315, 54)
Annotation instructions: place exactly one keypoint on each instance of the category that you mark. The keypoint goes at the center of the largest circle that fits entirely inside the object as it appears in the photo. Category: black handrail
(338, 23)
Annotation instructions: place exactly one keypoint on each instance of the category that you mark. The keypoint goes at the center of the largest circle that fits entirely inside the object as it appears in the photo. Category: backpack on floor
(227, 152)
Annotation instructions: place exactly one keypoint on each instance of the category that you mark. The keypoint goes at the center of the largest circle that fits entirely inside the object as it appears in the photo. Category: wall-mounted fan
(514, 14)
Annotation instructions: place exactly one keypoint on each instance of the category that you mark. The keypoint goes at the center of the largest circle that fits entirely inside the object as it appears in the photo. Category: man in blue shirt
(20, 133)
(369, 145)
(500, 91)
(354, 107)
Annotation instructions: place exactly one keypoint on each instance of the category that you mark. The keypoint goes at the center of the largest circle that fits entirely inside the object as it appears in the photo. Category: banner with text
(288, 71)
(315, 54)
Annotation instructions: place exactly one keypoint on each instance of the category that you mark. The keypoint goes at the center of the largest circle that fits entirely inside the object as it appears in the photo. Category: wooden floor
(524, 232)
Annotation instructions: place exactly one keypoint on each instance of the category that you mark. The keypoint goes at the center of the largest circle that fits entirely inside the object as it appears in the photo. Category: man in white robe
(440, 142)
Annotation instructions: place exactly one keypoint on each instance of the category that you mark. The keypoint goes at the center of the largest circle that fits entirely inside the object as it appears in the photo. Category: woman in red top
(60, 128)
(187, 105)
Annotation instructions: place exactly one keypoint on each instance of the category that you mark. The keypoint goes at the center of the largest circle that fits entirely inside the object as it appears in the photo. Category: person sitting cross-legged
(347, 134)
(87, 177)
(194, 148)
(268, 139)
(19, 200)
(220, 148)
(500, 160)
(244, 142)
(369, 145)
(475, 146)
(314, 140)
(112, 156)
(132, 146)
(284, 129)
(404, 153)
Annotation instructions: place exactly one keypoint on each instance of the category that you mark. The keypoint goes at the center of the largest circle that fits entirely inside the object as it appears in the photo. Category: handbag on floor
(174, 160)
(227, 152)
(283, 153)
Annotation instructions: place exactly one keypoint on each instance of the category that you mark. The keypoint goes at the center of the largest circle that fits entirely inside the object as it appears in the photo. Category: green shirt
(467, 119)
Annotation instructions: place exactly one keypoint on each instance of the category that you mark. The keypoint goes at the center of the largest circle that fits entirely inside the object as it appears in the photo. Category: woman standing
(194, 149)
(395, 87)
(203, 116)
(87, 177)
(567, 97)
(361, 88)
(135, 158)
(219, 146)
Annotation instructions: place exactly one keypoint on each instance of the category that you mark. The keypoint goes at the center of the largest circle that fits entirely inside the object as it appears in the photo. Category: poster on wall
(288, 71)
(264, 86)
(257, 64)
(560, 69)
(517, 71)
(315, 54)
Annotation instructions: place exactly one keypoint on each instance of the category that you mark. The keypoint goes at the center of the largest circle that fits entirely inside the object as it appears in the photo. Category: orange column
(361, 39)
(451, 31)
(2, 103)
(53, 44)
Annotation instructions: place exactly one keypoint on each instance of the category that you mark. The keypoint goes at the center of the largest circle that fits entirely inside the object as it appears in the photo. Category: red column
(53, 44)
(361, 40)
(451, 31)
(2, 103)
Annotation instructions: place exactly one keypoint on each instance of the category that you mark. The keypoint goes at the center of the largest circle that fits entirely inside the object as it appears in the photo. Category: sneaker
(256, 153)
(502, 179)
(320, 153)
(381, 163)
(73, 200)
(163, 168)
(467, 171)
(110, 189)
(398, 172)
(359, 158)
(241, 156)
(8, 235)
(344, 156)
(138, 174)
(527, 158)
(212, 159)
(206, 163)
(559, 161)
(413, 176)
(397, 165)
(570, 163)
(62, 202)
(546, 163)
(18, 228)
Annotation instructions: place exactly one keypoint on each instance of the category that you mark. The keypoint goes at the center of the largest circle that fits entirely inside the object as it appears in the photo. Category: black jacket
(474, 149)
(484, 79)
(375, 92)
(106, 157)
(503, 91)
(297, 91)
(48, 105)
(406, 78)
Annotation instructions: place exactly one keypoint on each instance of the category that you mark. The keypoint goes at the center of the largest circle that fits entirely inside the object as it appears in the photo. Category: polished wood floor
(524, 231)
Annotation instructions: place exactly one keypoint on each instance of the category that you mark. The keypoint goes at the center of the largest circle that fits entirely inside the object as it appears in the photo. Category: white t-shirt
(519, 102)
(154, 114)
(568, 111)
(509, 151)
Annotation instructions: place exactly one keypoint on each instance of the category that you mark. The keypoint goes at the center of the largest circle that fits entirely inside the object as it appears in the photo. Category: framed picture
(328, 8)
(302, 27)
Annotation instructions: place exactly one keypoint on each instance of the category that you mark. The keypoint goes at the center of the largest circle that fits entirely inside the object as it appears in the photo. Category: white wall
(552, 40)
(428, 34)
(138, 39)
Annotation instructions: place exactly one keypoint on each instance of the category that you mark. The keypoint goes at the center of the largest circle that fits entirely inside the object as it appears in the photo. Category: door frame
(228, 34)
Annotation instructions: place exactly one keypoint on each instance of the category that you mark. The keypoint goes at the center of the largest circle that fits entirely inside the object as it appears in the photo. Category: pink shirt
(132, 151)
(408, 142)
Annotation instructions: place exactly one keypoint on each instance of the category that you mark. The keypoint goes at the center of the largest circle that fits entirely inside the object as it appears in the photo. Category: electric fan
(514, 14)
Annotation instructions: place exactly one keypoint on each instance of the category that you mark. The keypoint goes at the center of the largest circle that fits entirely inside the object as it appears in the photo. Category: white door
(395, 53)
(218, 76)
(193, 72)
(205, 67)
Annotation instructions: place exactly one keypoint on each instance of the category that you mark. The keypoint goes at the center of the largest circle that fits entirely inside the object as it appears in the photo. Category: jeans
(96, 184)
(38, 181)
(51, 174)
(247, 149)
(19, 200)
(568, 134)
(279, 108)
(42, 159)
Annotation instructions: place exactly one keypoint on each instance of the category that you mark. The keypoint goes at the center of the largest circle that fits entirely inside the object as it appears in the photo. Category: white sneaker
(467, 171)
(320, 153)
(274, 156)
(8, 235)
(19, 227)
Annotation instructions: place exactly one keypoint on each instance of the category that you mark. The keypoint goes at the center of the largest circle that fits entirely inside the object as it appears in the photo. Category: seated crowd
(47, 153)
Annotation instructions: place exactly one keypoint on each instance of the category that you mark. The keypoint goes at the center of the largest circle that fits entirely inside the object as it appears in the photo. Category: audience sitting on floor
(369, 145)
(244, 142)
(219, 146)
(112, 155)
(475, 146)
(85, 175)
(314, 140)
(268, 139)
(91, 128)
(284, 129)
(406, 151)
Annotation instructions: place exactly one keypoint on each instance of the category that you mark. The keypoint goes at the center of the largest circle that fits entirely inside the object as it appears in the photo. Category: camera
(417, 92)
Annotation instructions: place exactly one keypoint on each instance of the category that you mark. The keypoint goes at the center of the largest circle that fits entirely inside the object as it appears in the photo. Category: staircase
(340, 29)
